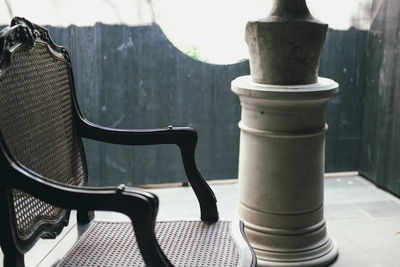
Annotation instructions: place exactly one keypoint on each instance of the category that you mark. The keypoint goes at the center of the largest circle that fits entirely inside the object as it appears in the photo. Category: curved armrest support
(184, 137)
(139, 205)
(204, 194)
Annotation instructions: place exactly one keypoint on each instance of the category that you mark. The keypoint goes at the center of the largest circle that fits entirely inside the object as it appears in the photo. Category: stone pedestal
(281, 167)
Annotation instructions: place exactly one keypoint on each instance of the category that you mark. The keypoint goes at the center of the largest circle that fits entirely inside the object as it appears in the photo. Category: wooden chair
(43, 174)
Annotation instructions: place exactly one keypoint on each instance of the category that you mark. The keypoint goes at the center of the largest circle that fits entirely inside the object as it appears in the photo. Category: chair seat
(185, 243)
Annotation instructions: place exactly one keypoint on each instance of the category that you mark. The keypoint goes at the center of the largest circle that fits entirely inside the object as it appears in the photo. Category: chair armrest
(139, 205)
(184, 137)
(180, 136)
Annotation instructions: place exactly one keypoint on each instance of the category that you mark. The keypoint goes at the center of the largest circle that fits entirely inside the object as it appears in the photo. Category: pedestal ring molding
(324, 88)
(281, 134)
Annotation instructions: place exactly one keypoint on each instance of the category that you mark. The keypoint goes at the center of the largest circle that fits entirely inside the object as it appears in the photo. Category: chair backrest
(37, 125)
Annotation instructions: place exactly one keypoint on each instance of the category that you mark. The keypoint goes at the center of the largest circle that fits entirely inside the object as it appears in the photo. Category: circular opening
(208, 30)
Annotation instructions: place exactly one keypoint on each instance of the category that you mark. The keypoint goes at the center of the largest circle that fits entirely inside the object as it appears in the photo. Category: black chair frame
(140, 205)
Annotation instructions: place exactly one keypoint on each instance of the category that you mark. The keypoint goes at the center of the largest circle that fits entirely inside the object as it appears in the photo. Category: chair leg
(13, 260)
(84, 216)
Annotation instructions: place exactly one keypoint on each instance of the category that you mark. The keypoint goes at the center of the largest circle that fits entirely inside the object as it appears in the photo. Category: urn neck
(290, 8)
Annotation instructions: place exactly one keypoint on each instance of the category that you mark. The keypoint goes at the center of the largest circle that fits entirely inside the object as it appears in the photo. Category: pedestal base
(308, 246)
(317, 255)
(281, 167)
(320, 260)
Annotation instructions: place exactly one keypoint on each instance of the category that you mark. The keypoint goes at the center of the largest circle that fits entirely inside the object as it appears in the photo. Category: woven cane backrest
(36, 122)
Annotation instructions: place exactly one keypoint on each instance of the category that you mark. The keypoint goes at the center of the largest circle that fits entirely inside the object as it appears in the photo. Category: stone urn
(285, 47)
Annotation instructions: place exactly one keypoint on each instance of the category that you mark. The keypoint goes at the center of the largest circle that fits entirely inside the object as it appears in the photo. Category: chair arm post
(14, 259)
(143, 219)
(84, 216)
(204, 194)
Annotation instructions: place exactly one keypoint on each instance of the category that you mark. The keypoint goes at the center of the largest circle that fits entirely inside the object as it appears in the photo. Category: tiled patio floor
(364, 220)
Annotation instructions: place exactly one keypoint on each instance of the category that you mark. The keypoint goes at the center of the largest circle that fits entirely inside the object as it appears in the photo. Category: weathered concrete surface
(285, 46)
